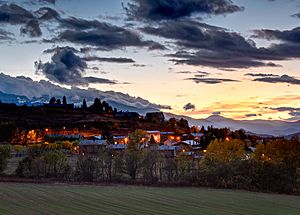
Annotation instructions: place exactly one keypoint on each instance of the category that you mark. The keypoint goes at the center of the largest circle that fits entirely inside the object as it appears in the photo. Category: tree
(56, 164)
(64, 101)
(115, 111)
(155, 117)
(97, 106)
(225, 151)
(149, 161)
(52, 101)
(86, 168)
(133, 152)
(279, 151)
(195, 129)
(84, 105)
(58, 101)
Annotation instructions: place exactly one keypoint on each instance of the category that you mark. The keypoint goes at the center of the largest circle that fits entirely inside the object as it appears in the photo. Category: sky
(239, 58)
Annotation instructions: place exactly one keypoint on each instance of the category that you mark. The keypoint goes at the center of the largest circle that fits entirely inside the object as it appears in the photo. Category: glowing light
(227, 139)
(204, 150)
(126, 140)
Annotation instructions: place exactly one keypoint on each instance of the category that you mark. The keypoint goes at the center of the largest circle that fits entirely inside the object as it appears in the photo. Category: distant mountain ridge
(23, 90)
(261, 127)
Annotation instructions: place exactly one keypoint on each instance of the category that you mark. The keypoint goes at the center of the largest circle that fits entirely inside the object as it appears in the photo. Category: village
(98, 143)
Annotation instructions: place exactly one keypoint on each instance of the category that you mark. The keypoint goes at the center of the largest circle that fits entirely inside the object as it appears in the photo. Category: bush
(5, 151)
(51, 164)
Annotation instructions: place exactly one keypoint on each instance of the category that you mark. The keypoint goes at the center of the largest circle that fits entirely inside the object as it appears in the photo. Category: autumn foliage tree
(225, 151)
(133, 152)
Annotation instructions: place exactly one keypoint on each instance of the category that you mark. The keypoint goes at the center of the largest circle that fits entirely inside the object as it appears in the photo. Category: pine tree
(64, 100)
(84, 105)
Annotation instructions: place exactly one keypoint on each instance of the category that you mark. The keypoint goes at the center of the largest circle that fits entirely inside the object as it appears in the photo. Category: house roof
(119, 137)
(169, 148)
(152, 132)
(99, 137)
(167, 133)
(190, 142)
(68, 136)
(92, 142)
(170, 142)
(117, 146)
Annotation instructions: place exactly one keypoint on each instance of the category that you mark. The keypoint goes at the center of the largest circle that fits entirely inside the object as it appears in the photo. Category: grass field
(84, 199)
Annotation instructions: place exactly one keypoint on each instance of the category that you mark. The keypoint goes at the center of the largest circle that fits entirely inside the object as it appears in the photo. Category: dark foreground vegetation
(70, 199)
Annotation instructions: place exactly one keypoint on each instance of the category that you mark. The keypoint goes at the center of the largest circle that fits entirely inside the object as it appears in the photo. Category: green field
(84, 199)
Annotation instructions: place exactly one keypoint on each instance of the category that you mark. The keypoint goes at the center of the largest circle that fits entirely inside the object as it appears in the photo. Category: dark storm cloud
(261, 75)
(189, 106)
(100, 80)
(101, 35)
(109, 59)
(213, 46)
(285, 109)
(223, 59)
(83, 24)
(57, 49)
(199, 73)
(295, 114)
(106, 40)
(156, 10)
(67, 68)
(292, 111)
(292, 36)
(210, 80)
(251, 115)
(14, 14)
(297, 15)
(139, 65)
(281, 79)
